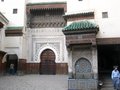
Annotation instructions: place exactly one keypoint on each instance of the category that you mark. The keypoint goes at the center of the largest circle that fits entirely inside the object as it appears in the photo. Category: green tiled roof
(14, 28)
(45, 3)
(82, 25)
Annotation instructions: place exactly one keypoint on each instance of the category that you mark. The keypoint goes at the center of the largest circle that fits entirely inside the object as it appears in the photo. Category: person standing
(12, 71)
(115, 78)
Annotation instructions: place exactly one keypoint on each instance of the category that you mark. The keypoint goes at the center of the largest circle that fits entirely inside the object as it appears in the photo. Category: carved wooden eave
(46, 15)
(14, 31)
(83, 35)
(108, 41)
(50, 5)
(79, 16)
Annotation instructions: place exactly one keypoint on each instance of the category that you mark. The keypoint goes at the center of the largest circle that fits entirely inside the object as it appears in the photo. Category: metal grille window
(104, 14)
(15, 11)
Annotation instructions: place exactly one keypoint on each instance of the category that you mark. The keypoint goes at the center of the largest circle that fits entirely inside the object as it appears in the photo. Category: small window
(15, 11)
(2, 0)
(104, 14)
(80, 0)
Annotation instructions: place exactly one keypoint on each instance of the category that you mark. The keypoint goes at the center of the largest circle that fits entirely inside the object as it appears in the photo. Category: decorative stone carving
(83, 69)
(42, 46)
(83, 66)
(44, 38)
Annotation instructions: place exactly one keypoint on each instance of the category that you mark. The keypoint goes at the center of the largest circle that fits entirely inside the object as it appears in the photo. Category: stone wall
(82, 84)
(81, 52)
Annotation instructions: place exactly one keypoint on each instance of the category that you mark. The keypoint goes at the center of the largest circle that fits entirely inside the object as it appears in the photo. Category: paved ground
(34, 82)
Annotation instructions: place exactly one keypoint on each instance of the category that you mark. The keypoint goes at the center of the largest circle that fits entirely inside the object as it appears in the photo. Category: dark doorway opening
(108, 56)
(2, 62)
(47, 64)
(12, 59)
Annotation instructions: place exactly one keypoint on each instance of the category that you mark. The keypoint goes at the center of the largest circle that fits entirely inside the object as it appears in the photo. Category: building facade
(60, 37)
(91, 51)
(45, 40)
(34, 34)
(12, 37)
(106, 17)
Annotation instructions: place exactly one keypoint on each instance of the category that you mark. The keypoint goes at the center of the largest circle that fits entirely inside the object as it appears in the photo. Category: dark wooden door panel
(47, 65)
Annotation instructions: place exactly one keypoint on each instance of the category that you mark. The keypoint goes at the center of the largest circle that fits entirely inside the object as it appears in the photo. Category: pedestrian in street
(115, 78)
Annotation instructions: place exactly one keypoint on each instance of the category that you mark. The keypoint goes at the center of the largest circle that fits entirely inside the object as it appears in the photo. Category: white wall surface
(14, 45)
(109, 27)
(7, 7)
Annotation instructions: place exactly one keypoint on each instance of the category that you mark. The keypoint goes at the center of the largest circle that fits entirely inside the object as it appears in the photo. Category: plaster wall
(109, 27)
(13, 45)
(7, 7)
(84, 51)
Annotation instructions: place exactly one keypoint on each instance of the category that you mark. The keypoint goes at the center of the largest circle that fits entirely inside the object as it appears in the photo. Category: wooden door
(47, 65)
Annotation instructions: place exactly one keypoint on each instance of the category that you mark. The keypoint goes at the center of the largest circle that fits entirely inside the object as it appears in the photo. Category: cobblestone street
(34, 82)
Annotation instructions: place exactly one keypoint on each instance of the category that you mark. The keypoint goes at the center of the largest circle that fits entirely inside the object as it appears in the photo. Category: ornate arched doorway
(47, 64)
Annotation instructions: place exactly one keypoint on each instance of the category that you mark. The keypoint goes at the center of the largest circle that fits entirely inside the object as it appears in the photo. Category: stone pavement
(34, 82)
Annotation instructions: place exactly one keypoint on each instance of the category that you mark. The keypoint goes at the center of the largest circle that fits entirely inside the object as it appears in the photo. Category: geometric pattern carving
(41, 45)
(46, 21)
(38, 42)
(83, 66)
(47, 24)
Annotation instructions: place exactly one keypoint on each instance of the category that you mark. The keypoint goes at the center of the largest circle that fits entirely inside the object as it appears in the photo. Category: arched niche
(83, 69)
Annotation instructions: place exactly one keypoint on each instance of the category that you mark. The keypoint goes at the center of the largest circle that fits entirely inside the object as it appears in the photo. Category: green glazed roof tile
(45, 3)
(82, 25)
(14, 28)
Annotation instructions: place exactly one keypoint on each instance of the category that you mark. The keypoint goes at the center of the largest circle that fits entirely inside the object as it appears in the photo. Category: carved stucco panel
(42, 46)
(78, 53)
(55, 44)
(43, 38)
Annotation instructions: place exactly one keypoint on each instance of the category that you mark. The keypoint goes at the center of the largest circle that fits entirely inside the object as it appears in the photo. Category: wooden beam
(106, 41)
